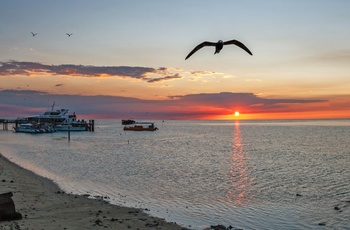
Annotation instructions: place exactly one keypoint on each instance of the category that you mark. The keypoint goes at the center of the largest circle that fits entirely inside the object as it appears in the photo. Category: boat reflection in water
(239, 177)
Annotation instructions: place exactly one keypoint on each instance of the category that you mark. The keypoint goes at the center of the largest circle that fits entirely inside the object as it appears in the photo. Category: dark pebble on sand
(222, 227)
(98, 222)
(218, 227)
(156, 223)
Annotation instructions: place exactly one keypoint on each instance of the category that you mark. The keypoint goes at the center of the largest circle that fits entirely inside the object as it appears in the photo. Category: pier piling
(92, 125)
(5, 126)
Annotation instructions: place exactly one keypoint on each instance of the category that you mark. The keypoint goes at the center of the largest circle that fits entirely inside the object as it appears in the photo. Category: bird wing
(199, 47)
(239, 44)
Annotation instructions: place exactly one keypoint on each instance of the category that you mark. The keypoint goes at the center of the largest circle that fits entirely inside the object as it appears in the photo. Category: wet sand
(44, 206)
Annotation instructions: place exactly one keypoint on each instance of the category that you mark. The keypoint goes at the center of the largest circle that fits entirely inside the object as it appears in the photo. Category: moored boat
(73, 126)
(141, 126)
(58, 118)
(128, 122)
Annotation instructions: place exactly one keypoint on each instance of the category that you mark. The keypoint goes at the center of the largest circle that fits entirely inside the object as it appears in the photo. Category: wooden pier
(5, 123)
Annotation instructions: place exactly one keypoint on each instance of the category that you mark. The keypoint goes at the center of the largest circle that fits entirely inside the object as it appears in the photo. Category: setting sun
(236, 113)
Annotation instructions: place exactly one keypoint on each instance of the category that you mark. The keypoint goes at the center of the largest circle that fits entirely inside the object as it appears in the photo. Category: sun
(236, 113)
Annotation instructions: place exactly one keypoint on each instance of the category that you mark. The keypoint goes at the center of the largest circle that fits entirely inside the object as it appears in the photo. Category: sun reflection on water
(237, 192)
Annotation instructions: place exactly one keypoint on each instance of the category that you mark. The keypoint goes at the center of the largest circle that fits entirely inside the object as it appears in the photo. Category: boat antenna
(53, 105)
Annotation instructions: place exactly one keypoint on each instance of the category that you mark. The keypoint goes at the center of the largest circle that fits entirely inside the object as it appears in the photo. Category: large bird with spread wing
(218, 46)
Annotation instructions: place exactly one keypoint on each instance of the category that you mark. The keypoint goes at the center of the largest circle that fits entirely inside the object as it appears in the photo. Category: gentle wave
(251, 175)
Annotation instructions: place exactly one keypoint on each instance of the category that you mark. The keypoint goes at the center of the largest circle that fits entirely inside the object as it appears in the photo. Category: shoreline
(44, 205)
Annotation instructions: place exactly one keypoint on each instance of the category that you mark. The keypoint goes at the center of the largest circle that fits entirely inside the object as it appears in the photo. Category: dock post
(68, 132)
(5, 126)
(92, 125)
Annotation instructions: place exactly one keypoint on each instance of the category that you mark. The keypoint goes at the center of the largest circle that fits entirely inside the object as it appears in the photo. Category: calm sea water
(248, 174)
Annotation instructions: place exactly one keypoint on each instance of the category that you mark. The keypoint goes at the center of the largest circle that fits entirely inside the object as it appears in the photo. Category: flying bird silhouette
(69, 34)
(34, 34)
(218, 46)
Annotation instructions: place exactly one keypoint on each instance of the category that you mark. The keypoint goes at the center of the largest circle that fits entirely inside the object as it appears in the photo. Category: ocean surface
(247, 174)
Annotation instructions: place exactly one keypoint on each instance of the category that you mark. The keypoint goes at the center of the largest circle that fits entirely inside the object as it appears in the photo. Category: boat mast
(52, 106)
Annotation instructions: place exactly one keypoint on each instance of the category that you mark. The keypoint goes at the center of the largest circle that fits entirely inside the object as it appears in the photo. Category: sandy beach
(44, 206)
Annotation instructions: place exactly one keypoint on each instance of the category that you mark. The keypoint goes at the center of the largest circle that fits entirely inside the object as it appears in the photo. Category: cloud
(202, 72)
(58, 85)
(150, 75)
(229, 100)
(191, 106)
(175, 76)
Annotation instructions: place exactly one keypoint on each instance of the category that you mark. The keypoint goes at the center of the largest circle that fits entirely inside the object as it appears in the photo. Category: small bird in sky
(34, 34)
(218, 46)
(69, 34)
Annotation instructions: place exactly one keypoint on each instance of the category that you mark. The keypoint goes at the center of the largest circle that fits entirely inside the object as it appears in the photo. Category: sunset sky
(126, 59)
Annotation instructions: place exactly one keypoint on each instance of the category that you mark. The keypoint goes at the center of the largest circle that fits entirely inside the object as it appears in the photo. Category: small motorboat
(141, 126)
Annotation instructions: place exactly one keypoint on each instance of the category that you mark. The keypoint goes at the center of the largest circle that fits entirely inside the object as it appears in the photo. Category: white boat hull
(70, 128)
(30, 128)
(19, 130)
